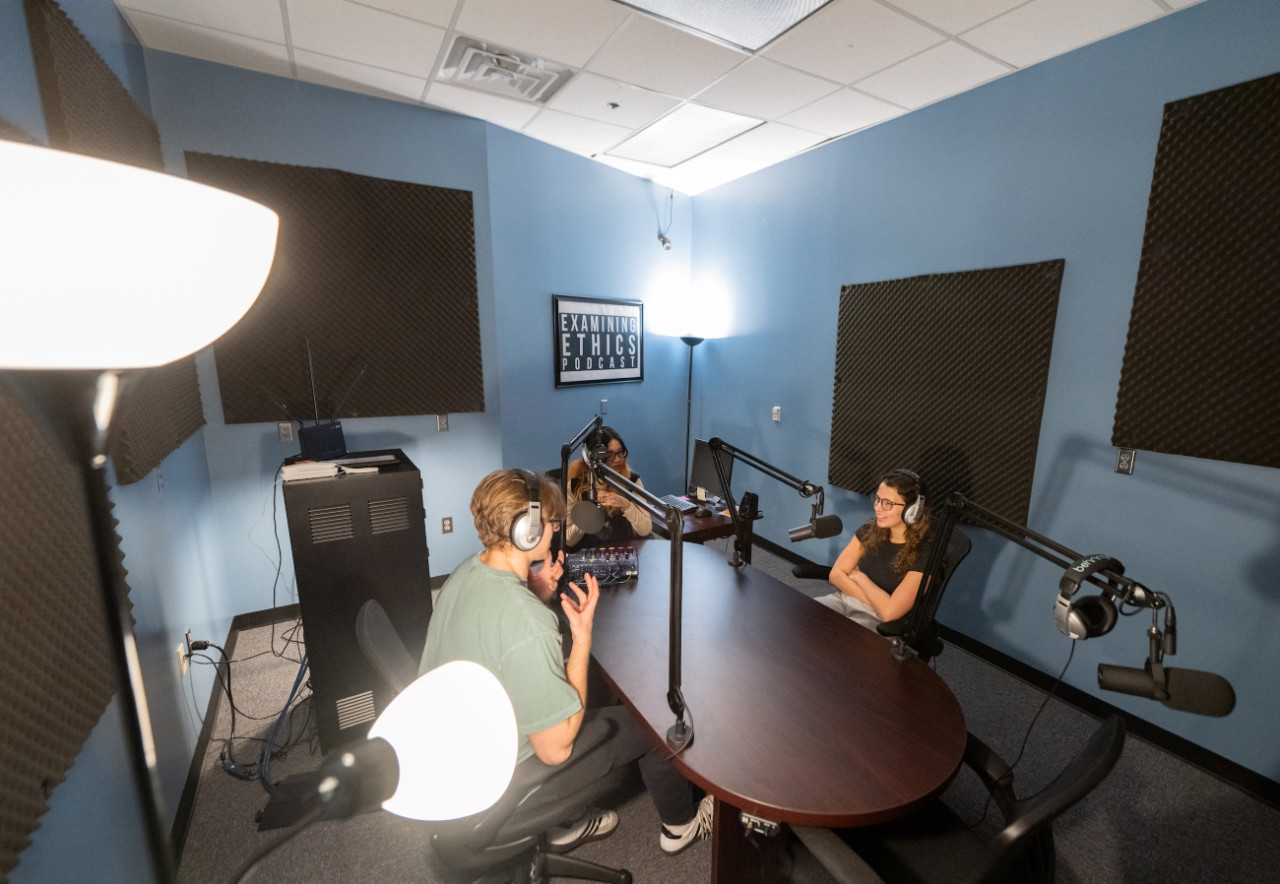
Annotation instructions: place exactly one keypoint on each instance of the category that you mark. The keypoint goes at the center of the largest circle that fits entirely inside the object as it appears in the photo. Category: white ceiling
(849, 65)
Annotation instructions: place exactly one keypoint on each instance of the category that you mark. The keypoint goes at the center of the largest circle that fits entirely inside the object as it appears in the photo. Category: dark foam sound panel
(87, 110)
(945, 374)
(55, 665)
(373, 289)
(1202, 358)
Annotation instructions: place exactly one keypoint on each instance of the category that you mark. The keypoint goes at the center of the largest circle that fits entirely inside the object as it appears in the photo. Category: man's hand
(580, 607)
(544, 581)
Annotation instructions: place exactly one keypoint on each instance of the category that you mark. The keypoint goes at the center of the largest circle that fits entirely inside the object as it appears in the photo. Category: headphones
(912, 514)
(1092, 615)
(526, 528)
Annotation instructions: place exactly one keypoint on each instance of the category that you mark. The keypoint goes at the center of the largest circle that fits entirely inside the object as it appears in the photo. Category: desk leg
(739, 856)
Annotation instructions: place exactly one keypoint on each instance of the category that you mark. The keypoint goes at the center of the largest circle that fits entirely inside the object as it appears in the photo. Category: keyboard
(679, 503)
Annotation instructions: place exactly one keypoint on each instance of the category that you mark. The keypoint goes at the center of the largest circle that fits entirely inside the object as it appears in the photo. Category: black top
(878, 563)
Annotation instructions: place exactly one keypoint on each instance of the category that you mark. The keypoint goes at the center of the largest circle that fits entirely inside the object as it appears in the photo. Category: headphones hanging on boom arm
(1092, 615)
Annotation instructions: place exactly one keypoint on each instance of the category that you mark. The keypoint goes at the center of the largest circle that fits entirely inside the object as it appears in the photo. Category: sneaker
(676, 838)
(594, 825)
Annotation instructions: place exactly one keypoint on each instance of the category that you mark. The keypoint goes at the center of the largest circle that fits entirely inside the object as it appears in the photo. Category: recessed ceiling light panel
(492, 68)
(685, 132)
(749, 24)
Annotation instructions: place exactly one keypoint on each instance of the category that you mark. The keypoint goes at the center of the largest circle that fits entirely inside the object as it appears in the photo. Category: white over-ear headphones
(526, 528)
(912, 514)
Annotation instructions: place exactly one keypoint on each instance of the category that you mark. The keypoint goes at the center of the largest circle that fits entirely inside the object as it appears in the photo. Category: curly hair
(502, 496)
(910, 486)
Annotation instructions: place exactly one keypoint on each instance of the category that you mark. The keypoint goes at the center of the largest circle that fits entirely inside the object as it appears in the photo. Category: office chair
(504, 843)
(925, 608)
(936, 846)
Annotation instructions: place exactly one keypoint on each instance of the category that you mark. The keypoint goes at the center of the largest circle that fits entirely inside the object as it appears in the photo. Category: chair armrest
(994, 772)
(838, 858)
(811, 571)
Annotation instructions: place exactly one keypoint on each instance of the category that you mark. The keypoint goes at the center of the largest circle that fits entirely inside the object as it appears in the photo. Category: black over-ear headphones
(912, 514)
(526, 528)
(1092, 615)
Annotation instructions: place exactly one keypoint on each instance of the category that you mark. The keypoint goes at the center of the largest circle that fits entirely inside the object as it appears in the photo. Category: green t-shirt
(490, 617)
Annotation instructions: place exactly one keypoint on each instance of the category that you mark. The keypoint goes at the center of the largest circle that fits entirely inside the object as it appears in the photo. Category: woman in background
(879, 573)
(623, 519)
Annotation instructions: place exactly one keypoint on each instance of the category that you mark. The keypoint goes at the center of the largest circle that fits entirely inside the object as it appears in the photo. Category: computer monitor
(703, 473)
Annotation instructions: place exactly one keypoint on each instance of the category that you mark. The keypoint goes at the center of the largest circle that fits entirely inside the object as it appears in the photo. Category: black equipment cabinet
(357, 537)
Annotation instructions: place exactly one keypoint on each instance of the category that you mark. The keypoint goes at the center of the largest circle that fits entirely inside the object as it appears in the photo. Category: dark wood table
(799, 715)
(698, 529)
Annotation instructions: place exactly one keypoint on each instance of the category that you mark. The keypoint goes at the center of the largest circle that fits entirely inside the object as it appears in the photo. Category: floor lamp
(688, 409)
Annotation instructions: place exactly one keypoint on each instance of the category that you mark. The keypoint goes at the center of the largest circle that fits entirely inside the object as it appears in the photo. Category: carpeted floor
(1155, 819)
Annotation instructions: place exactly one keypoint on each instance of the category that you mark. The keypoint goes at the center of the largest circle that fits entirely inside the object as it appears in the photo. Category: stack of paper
(309, 470)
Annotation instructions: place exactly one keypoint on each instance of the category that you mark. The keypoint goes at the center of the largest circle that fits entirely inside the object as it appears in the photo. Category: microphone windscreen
(588, 516)
(827, 526)
(1203, 693)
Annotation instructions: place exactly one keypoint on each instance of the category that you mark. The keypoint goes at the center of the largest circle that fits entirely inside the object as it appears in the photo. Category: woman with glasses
(623, 520)
(878, 575)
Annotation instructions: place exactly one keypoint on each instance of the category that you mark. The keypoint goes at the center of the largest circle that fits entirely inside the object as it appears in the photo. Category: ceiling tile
(953, 16)
(773, 142)
(589, 95)
(368, 36)
(851, 39)
(260, 19)
(663, 58)
(577, 134)
(933, 75)
(567, 31)
(504, 112)
(841, 112)
(765, 89)
(746, 24)
(1045, 28)
(222, 47)
(325, 70)
(433, 12)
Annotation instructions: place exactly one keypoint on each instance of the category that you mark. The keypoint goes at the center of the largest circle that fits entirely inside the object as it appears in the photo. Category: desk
(700, 530)
(799, 715)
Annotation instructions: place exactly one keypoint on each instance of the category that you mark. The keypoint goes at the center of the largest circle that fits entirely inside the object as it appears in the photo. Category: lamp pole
(692, 341)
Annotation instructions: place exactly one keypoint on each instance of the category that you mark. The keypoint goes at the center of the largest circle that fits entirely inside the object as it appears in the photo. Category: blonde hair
(502, 496)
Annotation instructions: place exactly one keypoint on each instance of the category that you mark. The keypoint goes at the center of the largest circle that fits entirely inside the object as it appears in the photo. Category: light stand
(688, 408)
(679, 734)
(818, 526)
(1185, 690)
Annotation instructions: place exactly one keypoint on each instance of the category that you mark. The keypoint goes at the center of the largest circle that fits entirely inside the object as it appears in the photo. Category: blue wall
(1054, 162)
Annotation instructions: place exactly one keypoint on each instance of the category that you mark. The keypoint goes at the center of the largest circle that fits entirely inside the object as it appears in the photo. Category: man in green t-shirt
(493, 611)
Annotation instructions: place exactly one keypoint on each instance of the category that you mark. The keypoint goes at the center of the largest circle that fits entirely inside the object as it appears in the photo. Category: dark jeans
(671, 793)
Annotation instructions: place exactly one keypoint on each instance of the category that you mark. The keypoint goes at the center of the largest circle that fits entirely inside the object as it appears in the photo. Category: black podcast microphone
(820, 527)
(1186, 690)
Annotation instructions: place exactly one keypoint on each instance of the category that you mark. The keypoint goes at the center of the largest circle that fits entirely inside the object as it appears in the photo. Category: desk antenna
(311, 370)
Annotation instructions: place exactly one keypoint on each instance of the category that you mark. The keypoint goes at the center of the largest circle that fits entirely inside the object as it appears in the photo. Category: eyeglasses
(878, 502)
(617, 455)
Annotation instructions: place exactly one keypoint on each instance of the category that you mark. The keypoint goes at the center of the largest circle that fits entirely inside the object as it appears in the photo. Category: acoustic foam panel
(945, 374)
(87, 110)
(373, 289)
(55, 663)
(1202, 358)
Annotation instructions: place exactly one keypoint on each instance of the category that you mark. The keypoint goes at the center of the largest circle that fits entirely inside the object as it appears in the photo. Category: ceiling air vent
(503, 71)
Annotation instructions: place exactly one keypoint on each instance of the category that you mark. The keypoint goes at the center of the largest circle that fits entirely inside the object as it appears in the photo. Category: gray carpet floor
(1155, 819)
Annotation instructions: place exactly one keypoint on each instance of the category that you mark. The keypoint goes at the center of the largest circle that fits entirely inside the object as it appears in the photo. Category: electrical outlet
(285, 429)
(182, 659)
(604, 406)
(1124, 460)
(777, 414)
(446, 525)
(442, 423)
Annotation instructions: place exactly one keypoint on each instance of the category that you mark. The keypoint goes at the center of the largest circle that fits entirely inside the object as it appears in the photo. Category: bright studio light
(454, 734)
(112, 266)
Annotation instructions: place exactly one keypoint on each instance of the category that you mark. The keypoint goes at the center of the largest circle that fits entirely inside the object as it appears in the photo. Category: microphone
(820, 527)
(588, 516)
(1186, 690)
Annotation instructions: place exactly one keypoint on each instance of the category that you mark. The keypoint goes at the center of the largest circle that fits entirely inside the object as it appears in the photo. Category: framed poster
(598, 341)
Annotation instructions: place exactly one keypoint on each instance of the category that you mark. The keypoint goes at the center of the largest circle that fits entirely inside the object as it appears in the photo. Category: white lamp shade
(104, 265)
(454, 735)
